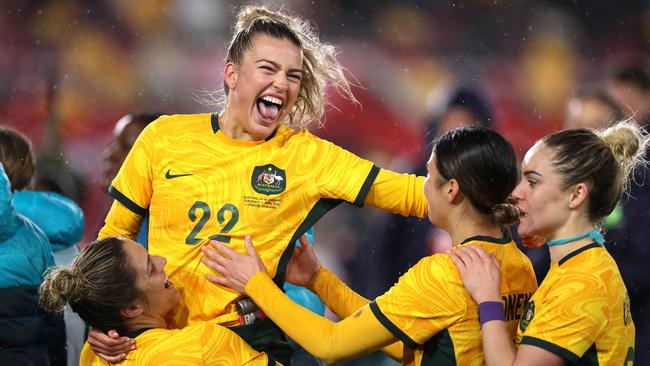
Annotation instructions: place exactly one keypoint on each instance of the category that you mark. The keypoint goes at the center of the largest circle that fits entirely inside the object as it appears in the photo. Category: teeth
(273, 100)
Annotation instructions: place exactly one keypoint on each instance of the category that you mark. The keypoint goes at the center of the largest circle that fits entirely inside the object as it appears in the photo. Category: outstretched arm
(398, 193)
(353, 336)
(305, 269)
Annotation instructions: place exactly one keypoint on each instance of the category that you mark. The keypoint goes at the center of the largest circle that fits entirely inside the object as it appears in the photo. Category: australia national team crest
(527, 316)
(268, 179)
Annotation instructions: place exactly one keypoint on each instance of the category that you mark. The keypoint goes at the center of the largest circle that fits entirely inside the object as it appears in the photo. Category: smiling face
(157, 294)
(544, 205)
(264, 88)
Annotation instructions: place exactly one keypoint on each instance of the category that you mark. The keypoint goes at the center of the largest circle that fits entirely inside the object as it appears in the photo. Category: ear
(452, 191)
(230, 75)
(579, 194)
(132, 311)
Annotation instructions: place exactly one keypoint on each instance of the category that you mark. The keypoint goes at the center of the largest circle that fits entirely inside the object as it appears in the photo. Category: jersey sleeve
(132, 186)
(353, 336)
(341, 299)
(398, 193)
(120, 221)
(339, 174)
(426, 300)
(569, 321)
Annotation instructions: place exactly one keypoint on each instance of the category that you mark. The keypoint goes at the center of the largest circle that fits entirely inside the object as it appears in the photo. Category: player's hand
(110, 347)
(479, 271)
(236, 269)
(303, 264)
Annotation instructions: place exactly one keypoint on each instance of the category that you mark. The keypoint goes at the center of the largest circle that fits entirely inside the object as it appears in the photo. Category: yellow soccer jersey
(197, 184)
(581, 311)
(203, 343)
(432, 313)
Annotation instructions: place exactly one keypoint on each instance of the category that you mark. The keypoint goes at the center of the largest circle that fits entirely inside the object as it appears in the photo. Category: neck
(143, 321)
(569, 231)
(232, 128)
(468, 223)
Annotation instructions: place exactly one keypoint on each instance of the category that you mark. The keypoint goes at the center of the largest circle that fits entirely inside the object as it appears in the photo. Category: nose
(281, 81)
(518, 193)
(162, 261)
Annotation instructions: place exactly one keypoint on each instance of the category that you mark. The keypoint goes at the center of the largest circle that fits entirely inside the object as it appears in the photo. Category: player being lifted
(198, 176)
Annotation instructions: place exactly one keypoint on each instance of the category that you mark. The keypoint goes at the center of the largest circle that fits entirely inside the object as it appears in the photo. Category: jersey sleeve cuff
(365, 188)
(567, 355)
(392, 327)
(127, 202)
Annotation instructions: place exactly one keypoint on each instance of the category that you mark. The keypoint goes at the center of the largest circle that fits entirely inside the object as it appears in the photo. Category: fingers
(214, 265)
(457, 260)
(495, 261)
(114, 359)
(304, 242)
(224, 249)
(219, 280)
(250, 248)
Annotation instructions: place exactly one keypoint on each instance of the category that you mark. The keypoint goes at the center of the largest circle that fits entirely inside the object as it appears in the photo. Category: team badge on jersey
(527, 316)
(268, 179)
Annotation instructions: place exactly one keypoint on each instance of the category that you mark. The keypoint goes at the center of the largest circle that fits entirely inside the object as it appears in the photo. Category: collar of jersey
(214, 122)
(507, 238)
(578, 251)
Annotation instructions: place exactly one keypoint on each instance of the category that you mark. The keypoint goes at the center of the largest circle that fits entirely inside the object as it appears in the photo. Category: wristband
(490, 310)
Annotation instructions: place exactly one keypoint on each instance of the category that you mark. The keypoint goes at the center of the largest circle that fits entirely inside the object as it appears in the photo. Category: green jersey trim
(126, 201)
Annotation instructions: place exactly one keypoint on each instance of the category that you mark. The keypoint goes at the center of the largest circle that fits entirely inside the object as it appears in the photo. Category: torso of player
(206, 186)
(581, 272)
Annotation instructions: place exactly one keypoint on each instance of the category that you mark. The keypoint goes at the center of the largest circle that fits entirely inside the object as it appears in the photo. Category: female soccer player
(115, 284)
(581, 312)
(244, 170)
(470, 174)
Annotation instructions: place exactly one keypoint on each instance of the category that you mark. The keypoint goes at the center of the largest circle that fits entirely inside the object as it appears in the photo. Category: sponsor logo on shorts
(268, 179)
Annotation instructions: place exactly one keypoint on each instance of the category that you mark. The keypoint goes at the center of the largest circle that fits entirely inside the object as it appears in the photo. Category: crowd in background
(70, 69)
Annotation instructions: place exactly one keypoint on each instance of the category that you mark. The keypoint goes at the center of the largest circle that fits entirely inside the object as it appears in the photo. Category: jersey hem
(126, 201)
(551, 347)
(392, 327)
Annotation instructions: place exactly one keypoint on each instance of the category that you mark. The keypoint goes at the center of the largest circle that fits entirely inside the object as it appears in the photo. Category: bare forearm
(498, 347)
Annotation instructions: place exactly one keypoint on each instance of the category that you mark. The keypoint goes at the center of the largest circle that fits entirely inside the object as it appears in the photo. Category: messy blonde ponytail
(320, 66)
(628, 142)
(602, 159)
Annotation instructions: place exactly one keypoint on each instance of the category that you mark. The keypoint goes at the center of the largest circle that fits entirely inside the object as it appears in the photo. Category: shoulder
(175, 123)
(436, 268)
(39, 208)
